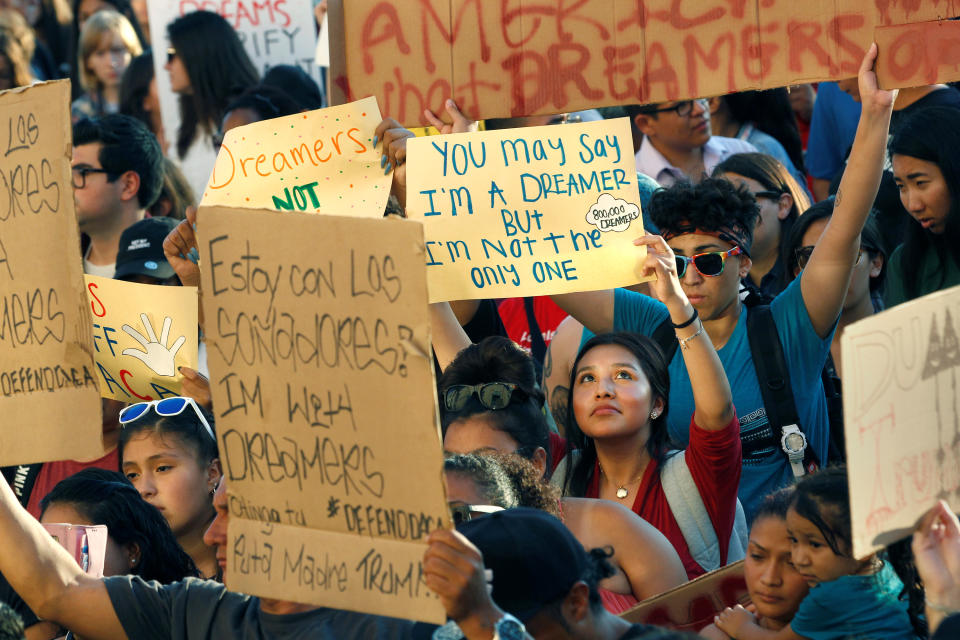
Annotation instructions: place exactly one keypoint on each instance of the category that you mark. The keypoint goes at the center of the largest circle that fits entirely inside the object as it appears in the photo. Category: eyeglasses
(770, 195)
(464, 512)
(683, 108)
(171, 54)
(707, 264)
(802, 255)
(492, 395)
(166, 408)
(80, 175)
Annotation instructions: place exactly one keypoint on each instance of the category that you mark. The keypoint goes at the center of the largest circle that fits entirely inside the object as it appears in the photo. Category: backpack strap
(691, 515)
(775, 387)
(538, 347)
(666, 338)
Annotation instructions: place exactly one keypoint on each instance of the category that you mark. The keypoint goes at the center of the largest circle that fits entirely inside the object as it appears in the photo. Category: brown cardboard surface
(48, 390)
(901, 406)
(318, 346)
(529, 57)
(692, 606)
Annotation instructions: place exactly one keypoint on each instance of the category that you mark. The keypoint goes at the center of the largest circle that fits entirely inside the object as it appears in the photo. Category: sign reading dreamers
(526, 57)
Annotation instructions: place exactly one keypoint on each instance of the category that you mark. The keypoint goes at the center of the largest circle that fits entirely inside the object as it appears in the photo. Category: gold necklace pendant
(622, 492)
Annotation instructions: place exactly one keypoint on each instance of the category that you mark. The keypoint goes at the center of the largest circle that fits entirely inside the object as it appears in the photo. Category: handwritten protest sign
(318, 345)
(273, 32)
(527, 57)
(692, 606)
(901, 405)
(142, 335)
(47, 378)
(523, 212)
(322, 161)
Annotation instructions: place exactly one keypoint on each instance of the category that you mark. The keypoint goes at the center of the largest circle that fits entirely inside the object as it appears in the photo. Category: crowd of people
(601, 447)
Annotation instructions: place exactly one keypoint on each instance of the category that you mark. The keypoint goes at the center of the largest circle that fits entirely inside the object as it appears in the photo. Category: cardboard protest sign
(515, 58)
(48, 391)
(322, 161)
(920, 53)
(523, 212)
(692, 606)
(901, 405)
(273, 32)
(142, 335)
(323, 385)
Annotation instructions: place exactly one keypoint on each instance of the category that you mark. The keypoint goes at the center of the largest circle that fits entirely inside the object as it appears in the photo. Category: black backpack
(774, 377)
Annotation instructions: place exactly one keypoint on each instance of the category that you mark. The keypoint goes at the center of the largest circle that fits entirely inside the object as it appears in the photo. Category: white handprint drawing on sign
(156, 355)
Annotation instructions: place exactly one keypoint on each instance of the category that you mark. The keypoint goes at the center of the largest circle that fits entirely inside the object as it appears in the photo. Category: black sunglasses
(492, 395)
(707, 264)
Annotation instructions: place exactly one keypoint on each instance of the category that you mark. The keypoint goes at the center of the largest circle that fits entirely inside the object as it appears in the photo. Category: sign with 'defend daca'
(48, 391)
(523, 212)
(318, 343)
(142, 335)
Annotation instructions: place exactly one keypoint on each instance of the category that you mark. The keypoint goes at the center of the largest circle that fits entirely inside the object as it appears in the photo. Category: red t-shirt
(53, 472)
(514, 316)
(714, 460)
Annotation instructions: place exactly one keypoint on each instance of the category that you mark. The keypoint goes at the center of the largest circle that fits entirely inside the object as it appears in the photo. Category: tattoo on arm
(558, 407)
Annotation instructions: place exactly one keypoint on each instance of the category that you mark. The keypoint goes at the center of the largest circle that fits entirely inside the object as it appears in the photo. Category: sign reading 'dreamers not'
(902, 402)
(142, 335)
(48, 390)
(526, 57)
(319, 352)
(523, 212)
(322, 161)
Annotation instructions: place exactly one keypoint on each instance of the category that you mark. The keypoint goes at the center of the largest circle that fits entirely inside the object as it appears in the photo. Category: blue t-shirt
(854, 608)
(805, 352)
(832, 128)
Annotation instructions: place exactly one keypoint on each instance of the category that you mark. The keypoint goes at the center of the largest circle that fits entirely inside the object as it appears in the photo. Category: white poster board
(273, 32)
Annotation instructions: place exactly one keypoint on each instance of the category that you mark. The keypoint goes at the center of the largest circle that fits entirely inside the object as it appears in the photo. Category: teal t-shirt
(805, 352)
(933, 277)
(855, 608)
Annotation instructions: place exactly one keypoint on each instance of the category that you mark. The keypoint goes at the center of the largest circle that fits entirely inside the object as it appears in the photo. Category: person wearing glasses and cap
(117, 175)
(678, 143)
(709, 227)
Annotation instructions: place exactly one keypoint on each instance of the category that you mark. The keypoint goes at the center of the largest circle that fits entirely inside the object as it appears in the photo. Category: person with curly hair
(710, 228)
(643, 562)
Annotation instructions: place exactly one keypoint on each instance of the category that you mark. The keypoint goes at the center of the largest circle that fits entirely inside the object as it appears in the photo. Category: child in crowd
(107, 45)
(775, 587)
(168, 450)
(848, 597)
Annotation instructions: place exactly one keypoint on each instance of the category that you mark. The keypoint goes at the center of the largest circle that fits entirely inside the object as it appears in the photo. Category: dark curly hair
(654, 366)
(497, 359)
(712, 205)
(106, 497)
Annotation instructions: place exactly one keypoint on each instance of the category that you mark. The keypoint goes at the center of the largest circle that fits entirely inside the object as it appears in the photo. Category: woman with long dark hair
(925, 153)
(208, 68)
(781, 200)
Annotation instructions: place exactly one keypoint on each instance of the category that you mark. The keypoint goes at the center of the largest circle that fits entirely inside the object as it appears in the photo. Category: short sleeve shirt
(202, 609)
(805, 352)
(855, 607)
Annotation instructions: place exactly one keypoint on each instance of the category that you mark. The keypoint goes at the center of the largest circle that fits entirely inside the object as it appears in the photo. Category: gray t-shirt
(203, 609)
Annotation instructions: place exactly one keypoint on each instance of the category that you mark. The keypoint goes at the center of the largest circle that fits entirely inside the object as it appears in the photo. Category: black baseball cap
(534, 558)
(141, 249)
